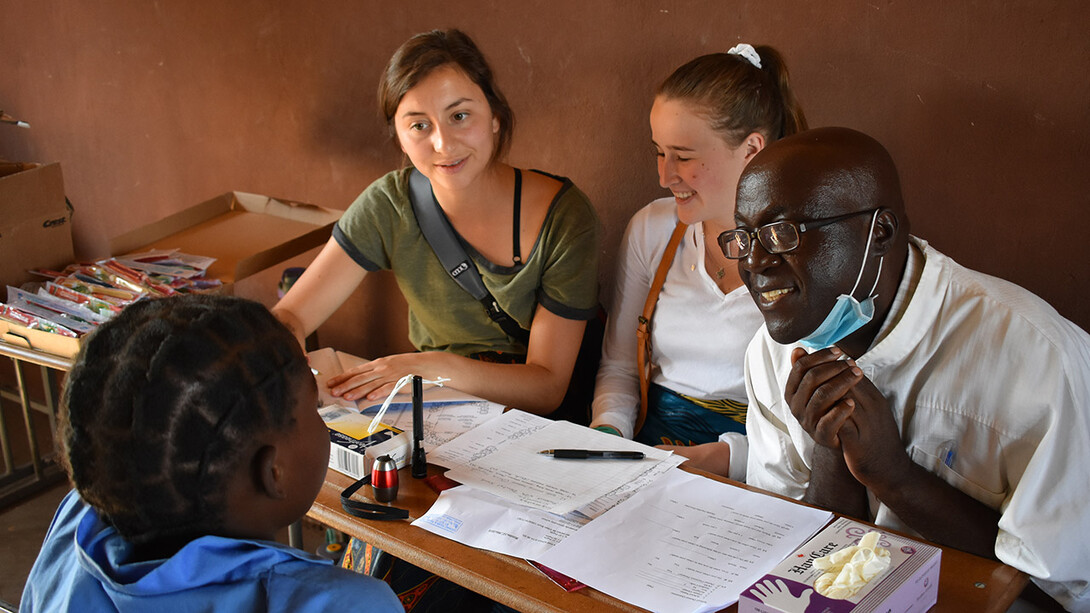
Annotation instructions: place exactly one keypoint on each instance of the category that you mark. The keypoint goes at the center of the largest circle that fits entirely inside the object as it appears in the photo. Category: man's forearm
(833, 487)
(940, 512)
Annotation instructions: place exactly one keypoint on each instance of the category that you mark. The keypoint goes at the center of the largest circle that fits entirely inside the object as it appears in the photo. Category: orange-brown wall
(154, 106)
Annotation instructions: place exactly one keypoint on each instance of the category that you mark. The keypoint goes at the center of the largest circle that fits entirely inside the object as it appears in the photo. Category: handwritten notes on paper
(685, 543)
(444, 420)
(485, 520)
(502, 458)
(481, 442)
(661, 538)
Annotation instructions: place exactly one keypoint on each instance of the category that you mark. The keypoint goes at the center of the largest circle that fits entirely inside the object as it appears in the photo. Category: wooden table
(966, 583)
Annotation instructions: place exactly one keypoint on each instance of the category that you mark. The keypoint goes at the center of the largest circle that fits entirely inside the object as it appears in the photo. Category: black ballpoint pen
(584, 454)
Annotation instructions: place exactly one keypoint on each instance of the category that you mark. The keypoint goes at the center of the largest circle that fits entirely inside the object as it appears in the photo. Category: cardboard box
(21, 336)
(35, 224)
(352, 450)
(35, 232)
(246, 233)
(910, 584)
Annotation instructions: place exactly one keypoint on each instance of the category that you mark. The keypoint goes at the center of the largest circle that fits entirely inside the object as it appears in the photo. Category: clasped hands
(841, 409)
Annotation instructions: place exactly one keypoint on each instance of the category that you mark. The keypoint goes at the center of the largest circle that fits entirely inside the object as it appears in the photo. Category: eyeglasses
(776, 237)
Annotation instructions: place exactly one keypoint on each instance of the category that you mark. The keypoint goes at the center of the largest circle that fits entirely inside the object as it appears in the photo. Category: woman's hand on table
(375, 380)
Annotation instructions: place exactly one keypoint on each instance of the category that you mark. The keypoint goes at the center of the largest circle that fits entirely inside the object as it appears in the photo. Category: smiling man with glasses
(942, 401)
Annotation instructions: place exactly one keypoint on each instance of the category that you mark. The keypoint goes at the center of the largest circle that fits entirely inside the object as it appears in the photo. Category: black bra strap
(517, 257)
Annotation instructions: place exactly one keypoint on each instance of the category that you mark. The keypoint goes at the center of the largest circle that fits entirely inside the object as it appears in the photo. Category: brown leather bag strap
(643, 327)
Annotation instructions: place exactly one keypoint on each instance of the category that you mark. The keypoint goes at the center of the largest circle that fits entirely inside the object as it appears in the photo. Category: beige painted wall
(154, 106)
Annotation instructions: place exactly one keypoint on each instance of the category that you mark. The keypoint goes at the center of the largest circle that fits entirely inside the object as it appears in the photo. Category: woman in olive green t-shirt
(439, 97)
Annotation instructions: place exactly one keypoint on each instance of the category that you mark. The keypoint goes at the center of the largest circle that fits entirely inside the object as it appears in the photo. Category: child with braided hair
(191, 436)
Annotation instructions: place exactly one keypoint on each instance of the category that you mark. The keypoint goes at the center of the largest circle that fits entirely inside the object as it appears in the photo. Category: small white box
(909, 585)
(352, 450)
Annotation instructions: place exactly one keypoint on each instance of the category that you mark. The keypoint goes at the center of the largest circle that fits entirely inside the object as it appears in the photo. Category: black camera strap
(437, 230)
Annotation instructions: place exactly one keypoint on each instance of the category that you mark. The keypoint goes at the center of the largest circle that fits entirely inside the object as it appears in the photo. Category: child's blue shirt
(83, 566)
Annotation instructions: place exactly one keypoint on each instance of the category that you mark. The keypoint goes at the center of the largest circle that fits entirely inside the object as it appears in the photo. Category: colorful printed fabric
(673, 419)
(419, 590)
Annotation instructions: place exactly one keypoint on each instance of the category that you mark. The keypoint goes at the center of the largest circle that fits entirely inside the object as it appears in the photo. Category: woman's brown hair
(737, 97)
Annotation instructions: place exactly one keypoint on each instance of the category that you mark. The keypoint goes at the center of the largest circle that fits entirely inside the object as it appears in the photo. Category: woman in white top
(709, 118)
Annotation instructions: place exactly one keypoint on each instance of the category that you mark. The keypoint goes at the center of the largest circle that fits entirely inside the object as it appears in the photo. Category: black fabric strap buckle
(493, 309)
(507, 323)
(366, 510)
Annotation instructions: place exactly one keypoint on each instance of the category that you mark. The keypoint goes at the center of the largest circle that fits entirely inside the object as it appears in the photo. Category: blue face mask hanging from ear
(847, 314)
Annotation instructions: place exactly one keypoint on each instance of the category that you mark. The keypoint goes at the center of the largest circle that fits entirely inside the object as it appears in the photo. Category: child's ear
(270, 475)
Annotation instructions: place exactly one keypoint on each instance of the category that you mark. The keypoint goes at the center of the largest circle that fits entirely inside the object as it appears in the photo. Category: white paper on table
(516, 471)
(485, 521)
(685, 543)
(444, 420)
(448, 413)
(622, 493)
(480, 442)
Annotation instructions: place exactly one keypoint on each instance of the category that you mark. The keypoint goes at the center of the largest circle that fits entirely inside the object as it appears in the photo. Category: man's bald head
(828, 171)
(812, 176)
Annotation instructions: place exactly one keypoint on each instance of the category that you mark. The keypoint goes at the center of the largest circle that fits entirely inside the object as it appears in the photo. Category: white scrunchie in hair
(747, 51)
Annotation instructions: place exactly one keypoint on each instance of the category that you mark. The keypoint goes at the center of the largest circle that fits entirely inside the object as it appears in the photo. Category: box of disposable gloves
(850, 567)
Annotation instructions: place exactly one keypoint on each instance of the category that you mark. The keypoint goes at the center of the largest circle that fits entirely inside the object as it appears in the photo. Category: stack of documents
(661, 538)
(685, 543)
(518, 502)
(640, 530)
(502, 457)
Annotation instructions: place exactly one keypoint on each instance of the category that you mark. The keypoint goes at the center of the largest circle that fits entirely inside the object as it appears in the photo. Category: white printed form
(487, 439)
(481, 520)
(486, 521)
(444, 420)
(685, 543)
(501, 457)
